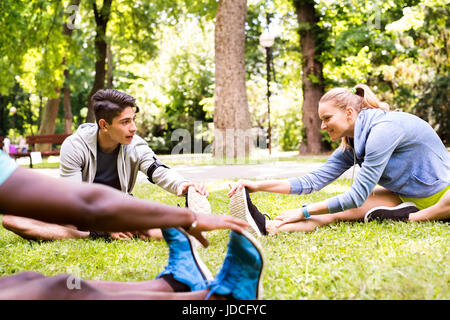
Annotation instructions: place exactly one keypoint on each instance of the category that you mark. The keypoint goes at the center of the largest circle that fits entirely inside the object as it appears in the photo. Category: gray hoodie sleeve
(336, 165)
(162, 176)
(168, 179)
(71, 161)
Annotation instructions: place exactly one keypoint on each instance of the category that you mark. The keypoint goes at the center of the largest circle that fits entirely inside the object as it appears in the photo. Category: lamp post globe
(266, 39)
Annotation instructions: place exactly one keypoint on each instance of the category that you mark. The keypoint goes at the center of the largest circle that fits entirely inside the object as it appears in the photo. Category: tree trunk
(232, 138)
(39, 120)
(50, 113)
(66, 90)
(312, 77)
(110, 67)
(101, 20)
(48, 120)
(67, 105)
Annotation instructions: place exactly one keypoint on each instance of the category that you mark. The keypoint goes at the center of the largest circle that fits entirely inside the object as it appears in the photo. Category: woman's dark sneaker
(398, 213)
(241, 207)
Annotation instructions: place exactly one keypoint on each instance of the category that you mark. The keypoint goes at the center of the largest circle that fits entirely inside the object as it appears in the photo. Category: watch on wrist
(306, 214)
(193, 224)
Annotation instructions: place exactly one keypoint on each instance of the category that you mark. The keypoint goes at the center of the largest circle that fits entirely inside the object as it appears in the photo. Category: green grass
(389, 260)
(45, 164)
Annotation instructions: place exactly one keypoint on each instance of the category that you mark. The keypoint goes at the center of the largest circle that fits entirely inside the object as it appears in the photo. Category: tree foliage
(163, 54)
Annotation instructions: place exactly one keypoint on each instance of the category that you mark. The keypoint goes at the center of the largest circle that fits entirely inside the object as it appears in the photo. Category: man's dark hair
(110, 103)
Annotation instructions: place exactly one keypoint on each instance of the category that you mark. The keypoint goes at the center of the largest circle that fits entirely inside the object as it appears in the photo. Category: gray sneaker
(241, 207)
(196, 202)
(199, 204)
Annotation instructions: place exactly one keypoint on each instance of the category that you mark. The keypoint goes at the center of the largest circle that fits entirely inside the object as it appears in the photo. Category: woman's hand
(252, 186)
(290, 216)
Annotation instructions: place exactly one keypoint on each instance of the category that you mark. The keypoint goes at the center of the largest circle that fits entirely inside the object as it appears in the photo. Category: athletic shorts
(427, 202)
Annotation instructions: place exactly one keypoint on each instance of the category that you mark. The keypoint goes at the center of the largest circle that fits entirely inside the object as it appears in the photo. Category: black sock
(259, 218)
(176, 285)
(97, 235)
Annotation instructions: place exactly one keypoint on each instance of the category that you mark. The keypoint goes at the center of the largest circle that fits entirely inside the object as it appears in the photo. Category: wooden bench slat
(50, 138)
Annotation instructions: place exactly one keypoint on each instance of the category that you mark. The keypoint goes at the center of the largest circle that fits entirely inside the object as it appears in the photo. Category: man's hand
(147, 234)
(141, 234)
(199, 187)
(121, 235)
(208, 222)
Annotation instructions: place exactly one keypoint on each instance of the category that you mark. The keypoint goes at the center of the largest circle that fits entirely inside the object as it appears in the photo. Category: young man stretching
(108, 152)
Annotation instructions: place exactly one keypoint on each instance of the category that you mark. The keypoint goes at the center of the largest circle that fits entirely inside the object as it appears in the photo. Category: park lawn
(388, 260)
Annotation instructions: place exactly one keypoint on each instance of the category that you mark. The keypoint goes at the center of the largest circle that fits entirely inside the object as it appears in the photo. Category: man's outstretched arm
(97, 207)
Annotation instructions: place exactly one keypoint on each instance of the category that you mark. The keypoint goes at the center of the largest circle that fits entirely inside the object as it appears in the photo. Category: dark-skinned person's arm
(100, 208)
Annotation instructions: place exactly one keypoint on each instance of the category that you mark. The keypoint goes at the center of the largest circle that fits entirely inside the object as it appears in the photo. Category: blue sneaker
(240, 276)
(185, 264)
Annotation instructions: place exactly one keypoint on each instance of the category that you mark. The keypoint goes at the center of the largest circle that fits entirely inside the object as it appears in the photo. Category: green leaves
(162, 52)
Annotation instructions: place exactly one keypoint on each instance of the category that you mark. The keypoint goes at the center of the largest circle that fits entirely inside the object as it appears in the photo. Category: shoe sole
(257, 245)
(207, 275)
(239, 209)
(198, 204)
(402, 205)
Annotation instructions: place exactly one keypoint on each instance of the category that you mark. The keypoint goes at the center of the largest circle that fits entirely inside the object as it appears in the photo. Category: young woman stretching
(396, 150)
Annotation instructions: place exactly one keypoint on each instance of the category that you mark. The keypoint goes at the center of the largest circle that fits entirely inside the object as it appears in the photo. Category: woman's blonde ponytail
(369, 98)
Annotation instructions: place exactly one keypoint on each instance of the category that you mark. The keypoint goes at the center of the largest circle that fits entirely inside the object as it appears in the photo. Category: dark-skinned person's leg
(239, 278)
(184, 272)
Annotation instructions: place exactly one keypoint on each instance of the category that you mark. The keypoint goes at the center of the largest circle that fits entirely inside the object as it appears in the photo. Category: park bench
(53, 139)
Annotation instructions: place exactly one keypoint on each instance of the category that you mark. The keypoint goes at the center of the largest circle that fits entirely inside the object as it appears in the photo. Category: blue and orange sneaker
(184, 264)
(241, 273)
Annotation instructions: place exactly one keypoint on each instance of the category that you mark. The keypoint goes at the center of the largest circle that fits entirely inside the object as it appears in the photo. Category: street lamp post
(266, 40)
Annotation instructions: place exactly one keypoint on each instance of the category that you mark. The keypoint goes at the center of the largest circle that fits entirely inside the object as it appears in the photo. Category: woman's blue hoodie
(396, 150)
